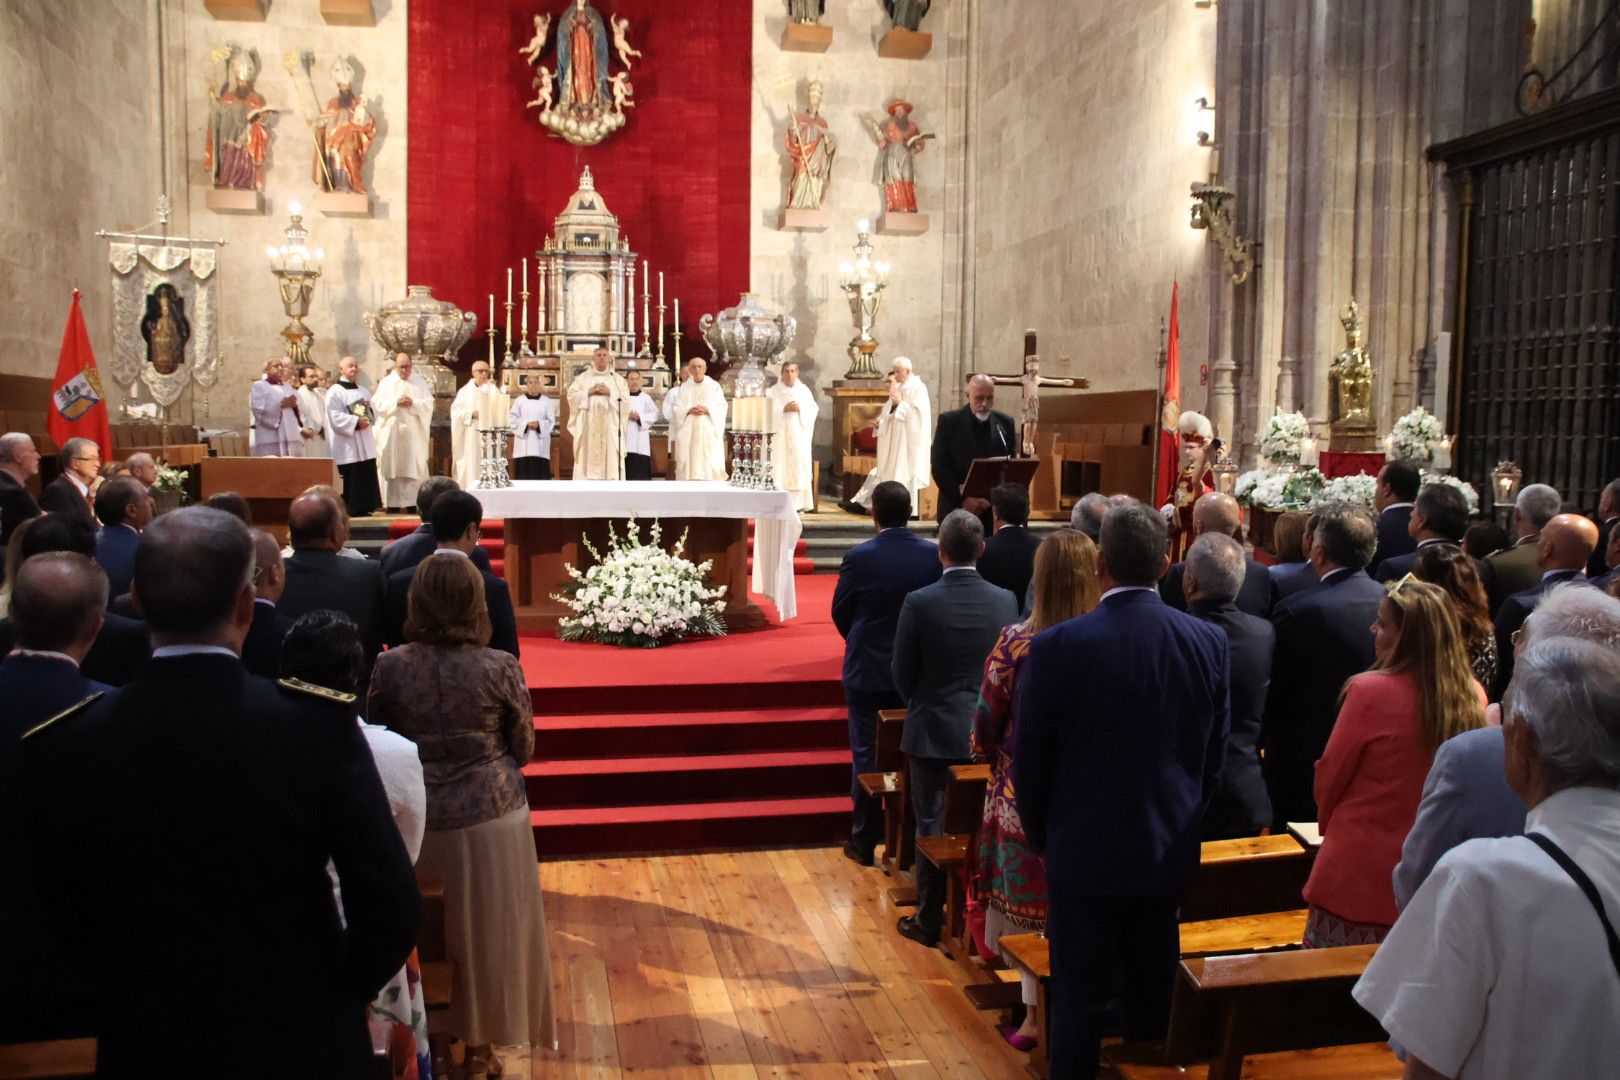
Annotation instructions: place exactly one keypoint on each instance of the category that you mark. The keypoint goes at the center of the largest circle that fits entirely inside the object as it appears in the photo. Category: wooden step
(586, 735)
(778, 822)
(630, 781)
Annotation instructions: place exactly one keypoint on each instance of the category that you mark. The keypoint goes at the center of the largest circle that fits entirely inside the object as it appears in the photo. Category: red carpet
(722, 742)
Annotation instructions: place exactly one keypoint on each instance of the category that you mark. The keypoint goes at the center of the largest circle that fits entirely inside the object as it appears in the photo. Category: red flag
(78, 407)
(1170, 419)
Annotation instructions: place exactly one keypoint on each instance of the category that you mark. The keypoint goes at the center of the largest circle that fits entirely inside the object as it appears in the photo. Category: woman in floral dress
(1009, 881)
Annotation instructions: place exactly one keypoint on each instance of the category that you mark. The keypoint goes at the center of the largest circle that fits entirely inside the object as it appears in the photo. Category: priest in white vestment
(351, 437)
(904, 436)
(672, 398)
(278, 430)
(700, 420)
(312, 410)
(598, 405)
(467, 445)
(534, 417)
(793, 419)
(643, 414)
(404, 405)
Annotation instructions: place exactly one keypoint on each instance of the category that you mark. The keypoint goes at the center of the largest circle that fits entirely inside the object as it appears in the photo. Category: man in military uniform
(183, 825)
(56, 611)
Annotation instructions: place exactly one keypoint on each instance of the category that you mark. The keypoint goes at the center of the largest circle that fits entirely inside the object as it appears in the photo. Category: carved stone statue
(906, 14)
(810, 147)
(899, 140)
(238, 136)
(806, 11)
(344, 131)
(165, 329)
(1350, 382)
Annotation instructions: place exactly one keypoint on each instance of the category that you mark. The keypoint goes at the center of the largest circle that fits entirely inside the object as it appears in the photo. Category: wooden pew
(888, 785)
(60, 1059)
(438, 972)
(959, 830)
(1248, 876)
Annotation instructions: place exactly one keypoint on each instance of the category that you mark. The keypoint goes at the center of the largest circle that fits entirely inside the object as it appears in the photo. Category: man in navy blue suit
(1562, 552)
(1122, 728)
(124, 508)
(413, 547)
(873, 582)
(1324, 636)
(456, 529)
(1396, 490)
(57, 605)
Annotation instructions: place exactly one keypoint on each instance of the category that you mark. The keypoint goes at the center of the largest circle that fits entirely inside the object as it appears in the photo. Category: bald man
(261, 649)
(143, 468)
(318, 576)
(975, 430)
(1218, 513)
(1562, 552)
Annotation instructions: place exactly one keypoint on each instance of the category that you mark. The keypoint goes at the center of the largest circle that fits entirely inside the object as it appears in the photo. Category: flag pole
(1158, 411)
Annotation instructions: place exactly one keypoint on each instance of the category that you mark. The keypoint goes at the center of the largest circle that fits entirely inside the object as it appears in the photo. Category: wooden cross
(1033, 382)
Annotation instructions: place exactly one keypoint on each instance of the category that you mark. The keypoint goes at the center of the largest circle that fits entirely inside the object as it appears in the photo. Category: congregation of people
(1434, 697)
(226, 764)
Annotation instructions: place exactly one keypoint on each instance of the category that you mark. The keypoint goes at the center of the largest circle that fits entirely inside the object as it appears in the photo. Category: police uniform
(183, 827)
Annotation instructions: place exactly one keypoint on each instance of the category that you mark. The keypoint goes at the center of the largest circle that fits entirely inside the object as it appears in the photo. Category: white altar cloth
(776, 523)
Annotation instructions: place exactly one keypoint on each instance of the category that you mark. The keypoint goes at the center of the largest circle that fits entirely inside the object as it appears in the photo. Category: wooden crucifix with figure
(1032, 382)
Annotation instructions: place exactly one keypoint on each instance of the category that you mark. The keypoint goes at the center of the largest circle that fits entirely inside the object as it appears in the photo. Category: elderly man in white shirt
(533, 418)
(1505, 963)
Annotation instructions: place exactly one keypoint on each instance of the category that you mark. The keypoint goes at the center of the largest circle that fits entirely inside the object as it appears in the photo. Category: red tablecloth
(1337, 463)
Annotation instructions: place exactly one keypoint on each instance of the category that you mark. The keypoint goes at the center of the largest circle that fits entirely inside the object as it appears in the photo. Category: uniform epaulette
(299, 686)
(64, 714)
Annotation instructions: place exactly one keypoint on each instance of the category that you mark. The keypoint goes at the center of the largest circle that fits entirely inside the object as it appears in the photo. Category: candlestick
(489, 330)
(646, 319)
(677, 333)
(509, 320)
(630, 304)
(508, 286)
(660, 345)
(660, 297)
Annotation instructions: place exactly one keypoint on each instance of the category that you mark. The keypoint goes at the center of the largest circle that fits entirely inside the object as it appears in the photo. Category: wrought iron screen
(1536, 368)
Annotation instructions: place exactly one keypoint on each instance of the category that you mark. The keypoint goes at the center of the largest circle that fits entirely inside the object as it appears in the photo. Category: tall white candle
(508, 284)
(660, 288)
(491, 323)
(525, 275)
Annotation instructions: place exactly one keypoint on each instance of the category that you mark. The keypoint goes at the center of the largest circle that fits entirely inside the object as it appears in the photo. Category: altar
(546, 519)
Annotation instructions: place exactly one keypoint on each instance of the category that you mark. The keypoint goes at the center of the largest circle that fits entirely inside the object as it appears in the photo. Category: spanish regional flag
(78, 408)
(1170, 421)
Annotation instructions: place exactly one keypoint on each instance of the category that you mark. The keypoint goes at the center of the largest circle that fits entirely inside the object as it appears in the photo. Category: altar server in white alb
(643, 414)
(700, 419)
(278, 430)
(534, 417)
(352, 439)
(672, 398)
(904, 436)
(404, 405)
(312, 411)
(793, 419)
(598, 403)
(467, 445)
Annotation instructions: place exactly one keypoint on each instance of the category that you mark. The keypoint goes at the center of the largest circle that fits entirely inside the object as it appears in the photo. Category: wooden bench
(888, 785)
(959, 829)
(438, 971)
(61, 1058)
(1244, 877)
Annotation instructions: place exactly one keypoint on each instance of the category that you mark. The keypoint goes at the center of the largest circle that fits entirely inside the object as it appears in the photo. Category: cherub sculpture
(622, 91)
(537, 44)
(542, 90)
(621, 43)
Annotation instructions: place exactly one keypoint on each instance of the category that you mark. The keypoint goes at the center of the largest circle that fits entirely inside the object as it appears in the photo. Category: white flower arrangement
(1282, 441)
(640, 596)
(1279, 489)
(1357, 490)
(1463, 486)
(1416, 436)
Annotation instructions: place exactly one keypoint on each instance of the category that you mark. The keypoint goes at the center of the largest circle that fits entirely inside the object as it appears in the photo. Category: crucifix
(1032, 382)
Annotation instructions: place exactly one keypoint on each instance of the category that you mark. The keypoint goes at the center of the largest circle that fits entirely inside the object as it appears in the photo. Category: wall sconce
(1202, 104)
(1206, 139)
(1212, 210)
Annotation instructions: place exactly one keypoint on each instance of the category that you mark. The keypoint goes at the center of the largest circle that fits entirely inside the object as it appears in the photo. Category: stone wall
(797, 272)
(1084, 145)
(365, 257)
(80, 154)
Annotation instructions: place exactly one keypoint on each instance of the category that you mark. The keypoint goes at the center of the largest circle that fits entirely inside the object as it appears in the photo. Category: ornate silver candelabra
(863, 283)
(296, 269)
(492, 472)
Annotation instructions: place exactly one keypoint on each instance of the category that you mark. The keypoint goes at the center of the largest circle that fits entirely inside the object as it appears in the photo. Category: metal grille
(1537, 378)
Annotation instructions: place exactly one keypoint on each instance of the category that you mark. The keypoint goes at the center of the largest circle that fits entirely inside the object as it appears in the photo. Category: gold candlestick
(660, 333)
(523, 331)
(646, 322)
(489, 330)
(509, 330)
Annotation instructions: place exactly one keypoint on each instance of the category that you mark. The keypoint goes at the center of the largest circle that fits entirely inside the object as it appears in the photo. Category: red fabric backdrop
(486, 180)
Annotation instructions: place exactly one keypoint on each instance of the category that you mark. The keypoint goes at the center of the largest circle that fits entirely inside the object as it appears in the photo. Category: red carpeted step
(494, 528)
(799, 548)
(609, 698)
(801, 566)
(689, 826)
(588, 735)
(635, 781)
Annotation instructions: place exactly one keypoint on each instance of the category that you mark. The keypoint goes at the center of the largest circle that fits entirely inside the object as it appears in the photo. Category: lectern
(268, 484)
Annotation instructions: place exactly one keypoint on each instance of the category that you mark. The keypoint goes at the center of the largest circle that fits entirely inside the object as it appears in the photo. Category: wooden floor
(750, 964)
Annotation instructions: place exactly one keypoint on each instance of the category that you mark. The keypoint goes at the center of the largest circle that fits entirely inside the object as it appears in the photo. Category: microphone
(1002, 435)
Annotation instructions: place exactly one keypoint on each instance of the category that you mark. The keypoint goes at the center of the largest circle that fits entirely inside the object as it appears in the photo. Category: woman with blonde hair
(1420, 691)
(467, 708)
(1009, 881)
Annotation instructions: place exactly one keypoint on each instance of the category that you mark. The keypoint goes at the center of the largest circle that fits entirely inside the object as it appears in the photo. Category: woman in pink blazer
(1420, 692)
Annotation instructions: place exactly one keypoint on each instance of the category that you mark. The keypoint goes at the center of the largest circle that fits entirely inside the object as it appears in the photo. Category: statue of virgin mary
(582, 59)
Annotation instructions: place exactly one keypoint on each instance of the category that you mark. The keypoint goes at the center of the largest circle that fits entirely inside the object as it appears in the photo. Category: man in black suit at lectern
(975, 430)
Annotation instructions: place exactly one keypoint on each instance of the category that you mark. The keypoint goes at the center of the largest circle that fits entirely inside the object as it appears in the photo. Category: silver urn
(749, 332)
(426, 328)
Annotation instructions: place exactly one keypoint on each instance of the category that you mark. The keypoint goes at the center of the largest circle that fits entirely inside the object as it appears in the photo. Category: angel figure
(621, 40)
(622, 90)
(537, 44)
(542, 90)
(1031, 382)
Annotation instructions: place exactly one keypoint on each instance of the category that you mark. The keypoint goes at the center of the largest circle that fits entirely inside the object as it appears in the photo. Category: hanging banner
(165, 318)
